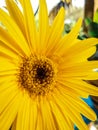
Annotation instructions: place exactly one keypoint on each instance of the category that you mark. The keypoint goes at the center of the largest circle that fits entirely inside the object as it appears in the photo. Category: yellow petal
(68, 40)
(9, 90)
(74, 116)
(80, 56)
(23, 114)
(16, 14)
(64, 112)
(9, 42)
(81, 107)
(70, 89)
(82, 45)
(7, 57)
(80, 67)
(14, 31)
(39, 123)
(43, 23)
(93, 76)
(82, 85)
(45, 110)
(30, 25)
(55, 32)
(5, 65)
(74, 32)
(8, 51)
(9, 113)
(80, 75)
(8, 72)
(70, 123)
(33, 115)
(5, 53)
(58, 117)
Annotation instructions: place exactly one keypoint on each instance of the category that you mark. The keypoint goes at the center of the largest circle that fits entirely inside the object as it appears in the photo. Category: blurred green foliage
(95, 19)
(92, 25)
(92, 28)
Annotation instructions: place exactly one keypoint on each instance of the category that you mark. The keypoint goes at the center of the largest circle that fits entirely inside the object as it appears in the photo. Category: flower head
(42, 72)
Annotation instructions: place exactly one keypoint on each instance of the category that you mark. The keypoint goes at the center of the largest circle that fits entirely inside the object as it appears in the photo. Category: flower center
(36, 75)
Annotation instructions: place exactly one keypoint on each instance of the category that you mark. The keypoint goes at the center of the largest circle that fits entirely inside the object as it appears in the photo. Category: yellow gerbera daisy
(42, 73)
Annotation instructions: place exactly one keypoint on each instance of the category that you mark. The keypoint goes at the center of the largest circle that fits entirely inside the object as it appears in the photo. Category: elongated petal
(9, 113)
(8, 51)
(82, 108)
(9, 42)
(82, 86)
(16, 14)
(6, 65)
(81, 76)
(33, 115)
(70, 90)
(82, 45)
(7, 57)
(9, 91)
(39, 121)
(83, 56)
(78, 67)
(58, 116)
(73, 115)
(55, 32)
(30, 25)
(23, 115)
(43, 23)
(45, 110)
(14, 31)
(68, 40)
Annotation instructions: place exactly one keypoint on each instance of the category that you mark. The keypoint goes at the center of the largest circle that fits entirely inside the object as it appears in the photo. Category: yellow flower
(42, 72)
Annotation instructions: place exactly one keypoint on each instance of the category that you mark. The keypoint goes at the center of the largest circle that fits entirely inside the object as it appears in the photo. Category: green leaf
(95, 19)
(93, 30)
(87, 21)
